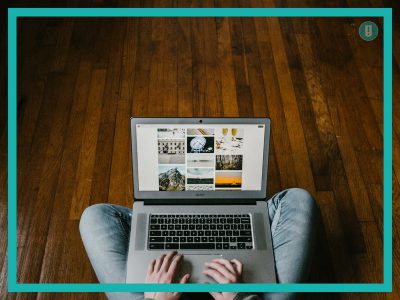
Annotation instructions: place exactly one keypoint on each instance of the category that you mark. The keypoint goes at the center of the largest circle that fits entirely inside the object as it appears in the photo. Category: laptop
(200, 189)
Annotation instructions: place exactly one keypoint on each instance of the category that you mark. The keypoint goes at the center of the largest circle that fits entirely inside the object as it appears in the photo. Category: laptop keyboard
(192, 231)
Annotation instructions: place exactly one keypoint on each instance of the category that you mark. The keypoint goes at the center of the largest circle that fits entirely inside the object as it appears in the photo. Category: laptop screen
(200, 157)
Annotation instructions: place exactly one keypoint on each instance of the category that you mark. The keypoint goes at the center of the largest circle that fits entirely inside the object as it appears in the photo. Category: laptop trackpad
(194, 264)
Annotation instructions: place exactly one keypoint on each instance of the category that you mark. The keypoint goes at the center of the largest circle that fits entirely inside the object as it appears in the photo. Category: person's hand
(163, 270)
(224, 271)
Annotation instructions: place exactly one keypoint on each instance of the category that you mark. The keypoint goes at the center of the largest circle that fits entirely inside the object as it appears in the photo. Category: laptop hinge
(200, 201)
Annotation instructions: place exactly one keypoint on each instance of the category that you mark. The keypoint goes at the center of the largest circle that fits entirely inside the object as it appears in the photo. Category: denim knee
(90, 216)
(301, 199)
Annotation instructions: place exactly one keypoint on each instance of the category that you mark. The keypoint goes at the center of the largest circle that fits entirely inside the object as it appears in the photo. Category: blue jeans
(105, 231)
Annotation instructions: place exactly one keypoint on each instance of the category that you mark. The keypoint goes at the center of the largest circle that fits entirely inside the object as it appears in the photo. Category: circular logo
(198, 143)
(368, 31)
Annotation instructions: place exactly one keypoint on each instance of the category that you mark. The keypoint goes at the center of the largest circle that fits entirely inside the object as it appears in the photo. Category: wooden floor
(80, 80)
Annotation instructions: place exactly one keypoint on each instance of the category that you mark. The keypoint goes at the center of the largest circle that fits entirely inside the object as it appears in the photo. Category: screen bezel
(186, 195)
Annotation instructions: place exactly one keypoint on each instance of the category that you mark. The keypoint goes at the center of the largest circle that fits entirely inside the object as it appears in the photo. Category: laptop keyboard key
(172, 246)
(154, 246)
(197, 246)
(243, 239)
(155, 233)
(154, 239)
(245, 233)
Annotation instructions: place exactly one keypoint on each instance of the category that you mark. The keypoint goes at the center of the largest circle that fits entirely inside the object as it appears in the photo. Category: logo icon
(368, 31)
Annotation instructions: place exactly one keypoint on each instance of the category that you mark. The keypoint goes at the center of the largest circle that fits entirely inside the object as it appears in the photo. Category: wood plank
(112, 90)
(213, 75)
(142, 69)
(255, 74)
(63, 89)
(315, 117)
(184, 68)
(319, 128)
(170, 69)
(156, 77)
(339, 183)
(101, 44)
(356, 112)
(199, 84)
(335, 232)
(87, 155)
(121, 189)
(228, 90)
(279, 131)
(302, 166)
(243, 93)
(372, 266)
(375, 192)
(63, 43)
(32, 140)
(54, 253)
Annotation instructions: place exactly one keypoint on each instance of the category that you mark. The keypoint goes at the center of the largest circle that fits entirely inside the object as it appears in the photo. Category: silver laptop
(200, 189)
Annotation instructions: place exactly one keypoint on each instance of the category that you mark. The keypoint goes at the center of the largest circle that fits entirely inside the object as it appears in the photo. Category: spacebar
(198, 246)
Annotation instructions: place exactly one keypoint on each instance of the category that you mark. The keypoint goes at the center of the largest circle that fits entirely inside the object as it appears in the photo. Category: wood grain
(81, 79)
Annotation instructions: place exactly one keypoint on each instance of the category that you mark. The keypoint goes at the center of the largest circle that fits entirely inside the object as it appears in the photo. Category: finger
(175, 264)
(216, 295)
(167, 261)
(159, 261)
(226, 263)
(238, 265)
(217, 276)
(150, 268)
(185, 278)
(220, 268)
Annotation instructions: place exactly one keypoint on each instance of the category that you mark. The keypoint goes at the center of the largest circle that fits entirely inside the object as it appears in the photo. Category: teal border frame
(14, 13)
